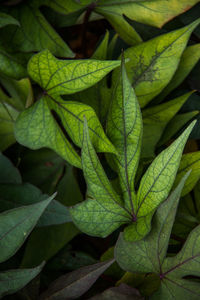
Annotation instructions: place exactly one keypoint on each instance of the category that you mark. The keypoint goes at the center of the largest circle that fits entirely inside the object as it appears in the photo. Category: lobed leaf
(59, 77)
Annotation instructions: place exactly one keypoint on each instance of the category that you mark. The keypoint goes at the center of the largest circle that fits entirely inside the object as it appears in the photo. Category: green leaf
(21, 96)
(190, 57)
(153, 63)
(155, 120)
(8, 173)
(155, 13)
(34, 33)
(14, 280)
(60, 77)
(76, 283)
(149, 255)
(189, 161)
(13, 65)
(36, 128)
(157, 181)
(6, 19)
(175, 125)
(103, 210)
(16, 195)
(45, 242)
(16, 224)
(124, 128)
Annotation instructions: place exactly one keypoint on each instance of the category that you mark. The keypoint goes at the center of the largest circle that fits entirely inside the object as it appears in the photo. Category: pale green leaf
(155, 120)
(189, 161)
(16, 224)
(36, 128)
(190, 57)
(153, 63)
(103, 210)
(155, 13)
(34, 33)
(13, 280)
(175, 125)
(157, 181)
(124, 128)
(6, 19)
(59, 77)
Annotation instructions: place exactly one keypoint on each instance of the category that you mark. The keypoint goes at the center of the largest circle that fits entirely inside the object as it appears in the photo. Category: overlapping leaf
(153, 63)
(149, 255)
(104, 210)
(16, 224)
(189, 161)
(155, 120)
(155, 13)
(36, 127)
(76, 283)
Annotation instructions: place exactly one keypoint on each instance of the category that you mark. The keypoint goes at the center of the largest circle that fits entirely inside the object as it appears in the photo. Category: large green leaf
(155, 120)
(76, 283)
(16, 224)
(153, 63)
(124, 128)
(103, 210)
(189, 161)
(149, 255)
(36, 127)
(188, 60)
(157, 181)
(155, 13)
(13, 280)
(34, 33)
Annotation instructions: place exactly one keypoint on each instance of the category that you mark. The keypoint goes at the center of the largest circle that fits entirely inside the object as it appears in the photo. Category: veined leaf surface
(59, 77)
(157, 181)
(16, 224)
(153, 63)
(103, 211)
(149, 254)
(124, 128)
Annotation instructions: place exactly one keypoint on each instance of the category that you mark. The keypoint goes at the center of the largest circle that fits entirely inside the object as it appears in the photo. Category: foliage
(99, 129)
